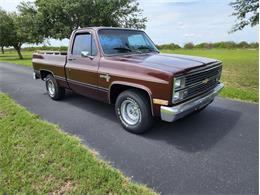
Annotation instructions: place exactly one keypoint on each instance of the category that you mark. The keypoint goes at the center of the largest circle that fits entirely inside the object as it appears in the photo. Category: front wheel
(133, 111)
(54, 90)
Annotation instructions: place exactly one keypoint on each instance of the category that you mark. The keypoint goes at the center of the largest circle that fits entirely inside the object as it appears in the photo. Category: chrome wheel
(130, 112)
(51, 88)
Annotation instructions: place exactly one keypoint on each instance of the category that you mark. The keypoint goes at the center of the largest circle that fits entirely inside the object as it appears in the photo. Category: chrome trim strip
(171, 114)
(87, 85)
(59, 77)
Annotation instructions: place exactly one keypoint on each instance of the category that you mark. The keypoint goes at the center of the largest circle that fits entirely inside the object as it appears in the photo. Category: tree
(189, 46)
(57, 19)
(243, 44)
(246, 12)
(170, 46)
(6, 27)
(17, 29)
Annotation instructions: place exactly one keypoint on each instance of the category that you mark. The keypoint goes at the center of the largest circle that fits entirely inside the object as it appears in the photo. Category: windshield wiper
(145, 47)
(123, 49)
(126, 49)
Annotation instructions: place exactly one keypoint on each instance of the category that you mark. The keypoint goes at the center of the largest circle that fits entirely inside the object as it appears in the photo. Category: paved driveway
(215, 151)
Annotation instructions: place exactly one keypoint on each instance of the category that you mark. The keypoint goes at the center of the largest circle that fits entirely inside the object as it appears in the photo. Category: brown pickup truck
(123, 67)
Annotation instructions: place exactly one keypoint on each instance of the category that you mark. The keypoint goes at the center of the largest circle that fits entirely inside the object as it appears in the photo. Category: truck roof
(96, 28)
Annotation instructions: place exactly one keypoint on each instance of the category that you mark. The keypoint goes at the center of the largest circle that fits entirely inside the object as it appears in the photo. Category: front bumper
(36, 75)
(174, 113)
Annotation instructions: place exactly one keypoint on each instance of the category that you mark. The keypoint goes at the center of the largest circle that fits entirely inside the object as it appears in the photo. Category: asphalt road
(215, 151)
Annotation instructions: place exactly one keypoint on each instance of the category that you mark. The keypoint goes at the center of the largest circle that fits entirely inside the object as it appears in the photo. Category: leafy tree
(17, 29)
(243, 44)
(189, 46)
(246, 12)
(170, 46)
(6, 27)
(58, 18)
(254, 45)
(204, 46)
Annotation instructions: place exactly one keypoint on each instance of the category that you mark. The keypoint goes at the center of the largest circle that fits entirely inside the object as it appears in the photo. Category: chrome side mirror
(85, 54)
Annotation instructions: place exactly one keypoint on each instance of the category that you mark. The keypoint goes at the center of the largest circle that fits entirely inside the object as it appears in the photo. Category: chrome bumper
(36, 75)
(174, 113)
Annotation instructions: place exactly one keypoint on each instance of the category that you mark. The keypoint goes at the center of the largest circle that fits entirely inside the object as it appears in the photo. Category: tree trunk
(18, 49)
(2, 48)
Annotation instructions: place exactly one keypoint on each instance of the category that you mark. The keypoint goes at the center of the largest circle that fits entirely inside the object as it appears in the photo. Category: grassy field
(240, 69)
(12, 57)
(37, 158)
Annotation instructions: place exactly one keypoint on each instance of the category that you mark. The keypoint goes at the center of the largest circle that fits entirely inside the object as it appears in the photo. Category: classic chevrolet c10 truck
(123, 67)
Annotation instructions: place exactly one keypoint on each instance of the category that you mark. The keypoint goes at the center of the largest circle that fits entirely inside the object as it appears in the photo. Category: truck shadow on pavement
(194, 133)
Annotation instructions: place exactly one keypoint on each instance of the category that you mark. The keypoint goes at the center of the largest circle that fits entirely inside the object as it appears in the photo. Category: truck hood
(167, 62)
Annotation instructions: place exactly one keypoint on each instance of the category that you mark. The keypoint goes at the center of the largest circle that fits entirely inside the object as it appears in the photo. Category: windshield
(117, 41)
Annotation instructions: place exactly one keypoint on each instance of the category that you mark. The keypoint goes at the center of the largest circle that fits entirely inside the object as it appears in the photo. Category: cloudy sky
(182, 21)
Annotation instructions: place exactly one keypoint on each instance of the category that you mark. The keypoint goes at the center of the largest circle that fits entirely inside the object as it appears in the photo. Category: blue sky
(182, 21)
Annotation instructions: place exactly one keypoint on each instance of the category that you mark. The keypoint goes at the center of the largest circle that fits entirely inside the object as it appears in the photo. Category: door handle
(70, 59)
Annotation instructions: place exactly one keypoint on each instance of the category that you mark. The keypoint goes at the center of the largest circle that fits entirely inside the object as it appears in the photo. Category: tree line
(220, 45)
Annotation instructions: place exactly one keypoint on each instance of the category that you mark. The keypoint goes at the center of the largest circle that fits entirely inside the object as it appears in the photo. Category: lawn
(36, 157)
(240, 69)
(12, 57)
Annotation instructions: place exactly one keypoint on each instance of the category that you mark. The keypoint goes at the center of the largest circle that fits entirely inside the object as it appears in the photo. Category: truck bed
(53, 61)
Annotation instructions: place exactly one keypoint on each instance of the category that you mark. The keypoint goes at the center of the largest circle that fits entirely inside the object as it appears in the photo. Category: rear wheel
(133, 111)
(54, 90)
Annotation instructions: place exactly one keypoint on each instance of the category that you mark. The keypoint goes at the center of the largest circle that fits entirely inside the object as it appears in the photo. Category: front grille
(200, 81)
(201, 88)
(202, 75)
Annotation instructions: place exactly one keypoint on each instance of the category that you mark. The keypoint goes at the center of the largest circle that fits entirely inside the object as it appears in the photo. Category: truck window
(84, 42)
(136, 40)
(118, 41)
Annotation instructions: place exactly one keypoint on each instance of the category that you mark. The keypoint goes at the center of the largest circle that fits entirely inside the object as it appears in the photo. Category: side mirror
(84, 53)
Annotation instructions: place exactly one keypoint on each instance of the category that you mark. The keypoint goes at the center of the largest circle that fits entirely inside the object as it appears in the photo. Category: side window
(84, 42)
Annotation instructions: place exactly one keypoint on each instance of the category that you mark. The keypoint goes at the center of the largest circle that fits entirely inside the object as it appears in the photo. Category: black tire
(56, 92)
(141, 106)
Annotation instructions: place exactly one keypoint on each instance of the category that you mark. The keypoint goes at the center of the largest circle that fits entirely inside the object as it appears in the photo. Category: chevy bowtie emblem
(105, 76)
(205, 81)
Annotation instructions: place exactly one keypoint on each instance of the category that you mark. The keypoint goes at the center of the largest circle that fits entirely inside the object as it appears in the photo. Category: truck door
(82, 64)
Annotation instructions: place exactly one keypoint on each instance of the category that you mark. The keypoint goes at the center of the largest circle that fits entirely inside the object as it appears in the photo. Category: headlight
(176, 96)
(179, 83)
(179, 95)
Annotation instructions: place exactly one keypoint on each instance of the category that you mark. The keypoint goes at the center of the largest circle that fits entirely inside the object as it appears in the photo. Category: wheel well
(44, 73)
(116, 89)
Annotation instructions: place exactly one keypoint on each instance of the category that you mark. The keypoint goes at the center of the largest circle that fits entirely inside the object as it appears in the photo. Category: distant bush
(50, 48)
(189, 46)
(217, 45)
(170, 46)
(204, 46)
(254, 45)
(226, 45)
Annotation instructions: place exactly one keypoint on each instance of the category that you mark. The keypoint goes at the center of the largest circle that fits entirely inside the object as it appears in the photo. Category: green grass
(37, 158)
(240, 70)
(12, 57)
